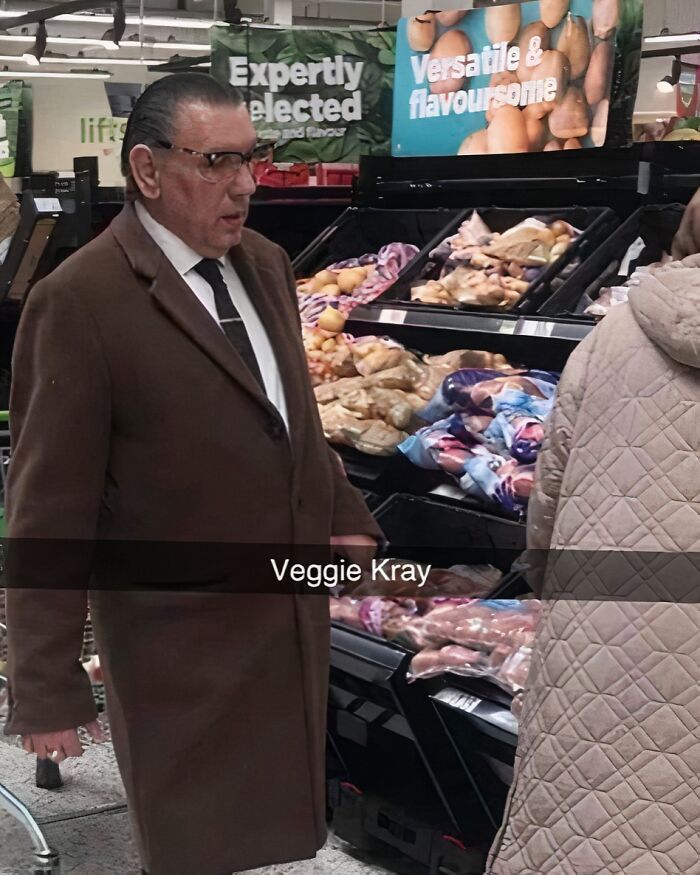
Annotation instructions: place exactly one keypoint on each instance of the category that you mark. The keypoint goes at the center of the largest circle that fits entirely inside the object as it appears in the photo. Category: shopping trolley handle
(46, 860)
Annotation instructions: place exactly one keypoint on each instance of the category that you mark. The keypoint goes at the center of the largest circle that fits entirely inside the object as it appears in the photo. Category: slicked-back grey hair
(152, 117)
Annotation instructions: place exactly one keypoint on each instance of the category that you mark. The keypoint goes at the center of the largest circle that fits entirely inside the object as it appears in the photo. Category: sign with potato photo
(537, 76)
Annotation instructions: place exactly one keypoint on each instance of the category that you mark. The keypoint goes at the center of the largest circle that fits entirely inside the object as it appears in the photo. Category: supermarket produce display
(353, 281)
(468, 636)
(486, 431)
(437, 317)
(477, 267)
(432, 682)
(392, 394)
(643, 240)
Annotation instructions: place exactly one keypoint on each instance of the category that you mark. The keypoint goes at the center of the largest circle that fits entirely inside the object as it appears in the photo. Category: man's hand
(58, 746)
(359, 549)
(687, 240)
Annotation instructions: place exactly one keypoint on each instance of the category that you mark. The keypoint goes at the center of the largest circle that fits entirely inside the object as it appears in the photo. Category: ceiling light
(69, 74)
(666, 37)
(60, 40)
(147, 21)
(192, 47)
(50, 59)
(668, 83)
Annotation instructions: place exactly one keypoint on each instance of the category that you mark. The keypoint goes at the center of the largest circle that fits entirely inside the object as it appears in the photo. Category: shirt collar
(182, 257)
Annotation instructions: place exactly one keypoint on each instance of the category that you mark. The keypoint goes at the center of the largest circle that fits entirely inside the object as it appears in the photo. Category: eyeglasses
(223, 166)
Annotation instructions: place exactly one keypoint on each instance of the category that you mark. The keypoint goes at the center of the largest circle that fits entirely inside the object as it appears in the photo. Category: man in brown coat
(161, 396)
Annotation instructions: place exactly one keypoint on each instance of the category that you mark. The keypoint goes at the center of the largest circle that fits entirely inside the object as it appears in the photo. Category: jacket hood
(666, 305)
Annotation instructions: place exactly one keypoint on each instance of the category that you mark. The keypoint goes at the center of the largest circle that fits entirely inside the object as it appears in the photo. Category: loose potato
(450, 17)
(605, 17)
(559, 228)
(573, 143)
(597, 83)
(507, 132)
(332, 290)
(569, 119)
(315, 342)
(451, 44)
(575, 43)
(503, 22)
(475, 144)
(420, 32)
(599, 125)
(349, 279)
(552, 11)
(331, 320)
(324, 277)
(552, 146)
(328, 345)
(535, 31)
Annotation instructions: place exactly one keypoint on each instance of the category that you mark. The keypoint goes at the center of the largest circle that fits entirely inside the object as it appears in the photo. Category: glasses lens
(223, 167)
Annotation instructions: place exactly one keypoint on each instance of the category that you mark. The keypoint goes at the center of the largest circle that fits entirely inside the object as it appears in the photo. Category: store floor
(87, 824)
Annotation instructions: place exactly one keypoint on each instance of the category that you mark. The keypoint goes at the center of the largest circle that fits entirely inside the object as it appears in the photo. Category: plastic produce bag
(491, 444)
(489, 392)
(489, 639)
(388, 264)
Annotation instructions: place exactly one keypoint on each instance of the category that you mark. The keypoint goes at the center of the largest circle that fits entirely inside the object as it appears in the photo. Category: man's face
(208, 216)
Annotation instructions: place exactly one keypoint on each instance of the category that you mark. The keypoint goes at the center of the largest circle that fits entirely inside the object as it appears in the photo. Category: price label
(458, 699)
(535, 328)
(508, 326)
(397, 317)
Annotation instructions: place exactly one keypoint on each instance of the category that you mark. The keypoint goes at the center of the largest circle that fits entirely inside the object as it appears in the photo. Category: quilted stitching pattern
(609, 751)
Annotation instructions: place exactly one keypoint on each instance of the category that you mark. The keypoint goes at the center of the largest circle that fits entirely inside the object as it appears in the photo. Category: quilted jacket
(606, 779)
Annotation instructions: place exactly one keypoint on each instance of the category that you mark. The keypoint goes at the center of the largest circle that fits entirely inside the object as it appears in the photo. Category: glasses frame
(264, 149)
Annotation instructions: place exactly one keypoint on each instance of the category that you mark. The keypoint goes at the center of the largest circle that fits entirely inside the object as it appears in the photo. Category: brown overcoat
(133, 419)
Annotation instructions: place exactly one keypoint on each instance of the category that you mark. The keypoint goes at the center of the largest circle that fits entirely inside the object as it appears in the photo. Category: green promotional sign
(10, 110)
(322, 95)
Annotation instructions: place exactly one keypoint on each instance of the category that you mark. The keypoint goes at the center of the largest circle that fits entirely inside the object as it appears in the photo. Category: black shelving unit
(399, 777)
(294, 216)
(401, 791)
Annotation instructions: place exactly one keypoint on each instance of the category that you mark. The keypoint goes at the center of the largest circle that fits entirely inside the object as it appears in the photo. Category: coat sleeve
(60, 426)
(350, 513)
(552, 462)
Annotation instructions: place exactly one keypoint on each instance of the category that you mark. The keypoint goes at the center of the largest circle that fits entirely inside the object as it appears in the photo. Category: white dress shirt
(184, 259)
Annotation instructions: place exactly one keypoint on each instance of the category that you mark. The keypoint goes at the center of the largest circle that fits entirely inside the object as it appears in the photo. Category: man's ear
(144, 171)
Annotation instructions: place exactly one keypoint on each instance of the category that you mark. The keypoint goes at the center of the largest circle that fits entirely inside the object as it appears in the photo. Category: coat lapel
(179, 302)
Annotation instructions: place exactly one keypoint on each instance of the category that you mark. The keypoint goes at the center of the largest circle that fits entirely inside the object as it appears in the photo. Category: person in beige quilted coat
(606, 779)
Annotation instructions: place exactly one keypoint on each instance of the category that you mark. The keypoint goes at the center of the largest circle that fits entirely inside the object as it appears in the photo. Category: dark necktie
(229, 317)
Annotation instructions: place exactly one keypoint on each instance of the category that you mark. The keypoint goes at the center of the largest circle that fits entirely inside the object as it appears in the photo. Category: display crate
(361, 230)
(371, 824)
(390, 742)
(655, 225)
(445, 533)
(595, 223)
